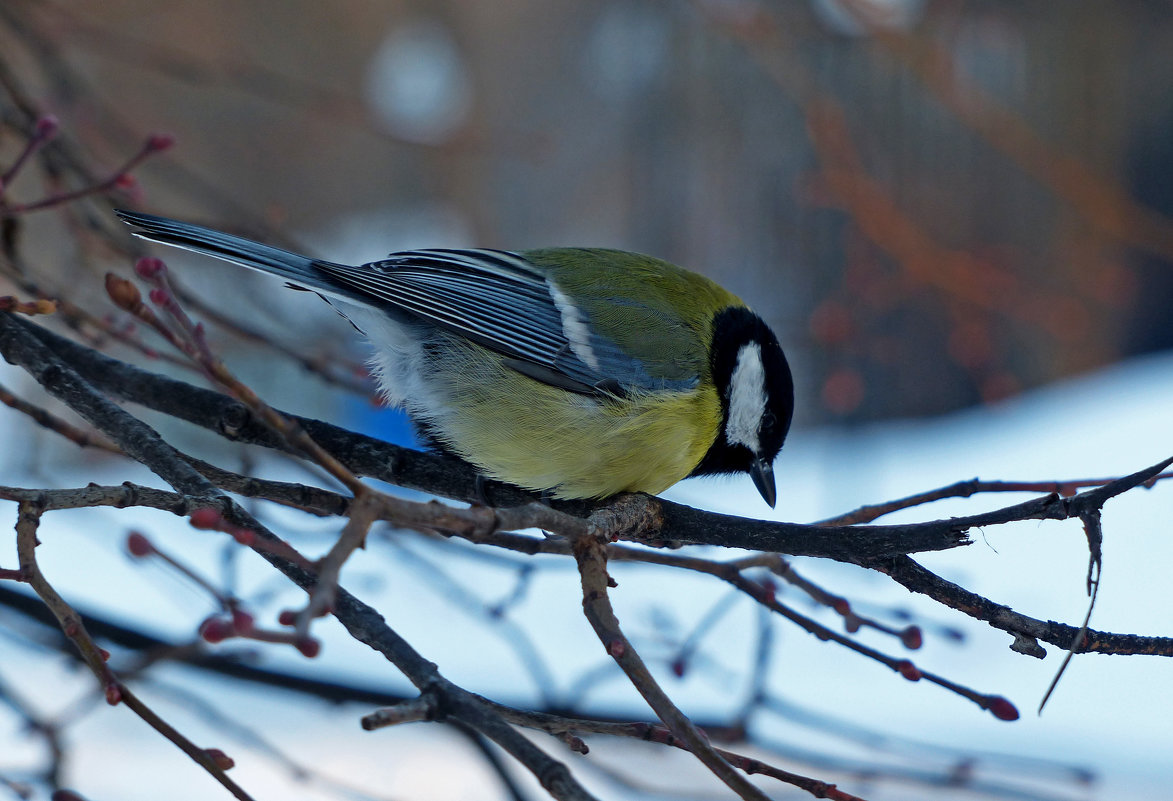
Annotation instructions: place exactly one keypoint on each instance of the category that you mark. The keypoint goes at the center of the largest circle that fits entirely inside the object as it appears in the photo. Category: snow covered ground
(1110, 715)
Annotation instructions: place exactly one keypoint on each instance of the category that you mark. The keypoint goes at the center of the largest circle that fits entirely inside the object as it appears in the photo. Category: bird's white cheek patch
(747, 398)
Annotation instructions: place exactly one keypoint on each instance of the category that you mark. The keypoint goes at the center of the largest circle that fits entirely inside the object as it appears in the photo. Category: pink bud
(908, 670)
(1001, 708)
(219, 758)
(309, 647)
(912, 638)
(148, 267)
(139, 545)
(47, 127)
(242, 621)
(206, 518)
(215, 629)
(157, 143)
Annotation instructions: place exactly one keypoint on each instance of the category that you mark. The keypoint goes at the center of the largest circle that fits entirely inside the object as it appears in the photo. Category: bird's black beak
(762, 473)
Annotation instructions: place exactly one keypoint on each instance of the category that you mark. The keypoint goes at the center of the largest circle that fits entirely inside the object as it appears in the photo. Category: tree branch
(364, 623)
(444, 475)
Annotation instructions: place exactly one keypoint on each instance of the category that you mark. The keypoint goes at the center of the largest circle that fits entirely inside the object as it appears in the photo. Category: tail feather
(199, 239)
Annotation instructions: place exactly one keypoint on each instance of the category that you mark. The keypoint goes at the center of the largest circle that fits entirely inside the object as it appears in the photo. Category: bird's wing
(505, 303)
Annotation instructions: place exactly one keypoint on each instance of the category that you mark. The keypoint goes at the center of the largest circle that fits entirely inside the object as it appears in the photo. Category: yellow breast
(527, 433)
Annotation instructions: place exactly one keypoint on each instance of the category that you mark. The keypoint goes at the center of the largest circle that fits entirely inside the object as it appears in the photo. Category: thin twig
(28, 520)
(1095, 535)
(360, 620)
(968, 488)
(592, 564)
(52, 422)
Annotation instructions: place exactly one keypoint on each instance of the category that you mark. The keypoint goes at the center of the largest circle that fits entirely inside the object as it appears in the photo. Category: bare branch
(28, 520)
(592, 566)
(366, 625)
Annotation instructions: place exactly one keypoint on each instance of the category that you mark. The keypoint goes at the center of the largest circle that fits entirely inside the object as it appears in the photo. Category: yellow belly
(539, 437)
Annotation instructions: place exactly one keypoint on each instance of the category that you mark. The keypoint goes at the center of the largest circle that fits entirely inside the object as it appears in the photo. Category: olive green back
(655, 311)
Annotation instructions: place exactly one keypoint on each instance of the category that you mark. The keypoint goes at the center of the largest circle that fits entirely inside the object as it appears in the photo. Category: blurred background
(958, 216)
(937, 204)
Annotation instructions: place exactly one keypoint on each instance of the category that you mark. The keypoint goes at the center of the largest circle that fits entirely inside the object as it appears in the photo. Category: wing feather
(498, 300)
(507, 302)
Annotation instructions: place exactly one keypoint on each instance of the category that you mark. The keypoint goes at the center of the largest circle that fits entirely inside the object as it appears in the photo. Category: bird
(577, 373)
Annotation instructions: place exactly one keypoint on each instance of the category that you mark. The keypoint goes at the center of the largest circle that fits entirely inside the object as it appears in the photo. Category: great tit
(578, 372)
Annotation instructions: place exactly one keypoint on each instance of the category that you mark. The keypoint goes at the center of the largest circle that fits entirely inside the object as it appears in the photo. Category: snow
(1108, 715)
